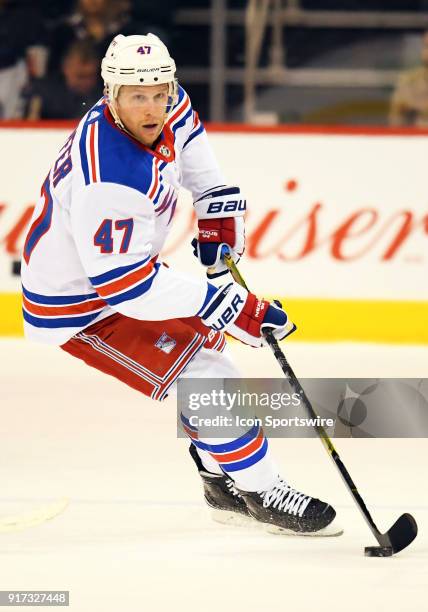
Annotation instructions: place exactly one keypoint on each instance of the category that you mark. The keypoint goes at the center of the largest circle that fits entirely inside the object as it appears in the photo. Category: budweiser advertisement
(337, 224)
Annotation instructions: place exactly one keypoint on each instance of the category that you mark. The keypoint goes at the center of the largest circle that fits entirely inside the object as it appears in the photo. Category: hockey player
(93, 282)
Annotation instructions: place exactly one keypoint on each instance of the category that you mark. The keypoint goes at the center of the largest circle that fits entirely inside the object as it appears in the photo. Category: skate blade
(226, 517)
(329, 531)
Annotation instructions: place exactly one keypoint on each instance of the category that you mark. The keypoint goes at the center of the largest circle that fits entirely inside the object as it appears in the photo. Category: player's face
(141, 108)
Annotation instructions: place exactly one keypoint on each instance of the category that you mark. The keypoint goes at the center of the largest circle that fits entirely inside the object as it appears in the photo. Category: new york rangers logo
(165, 343)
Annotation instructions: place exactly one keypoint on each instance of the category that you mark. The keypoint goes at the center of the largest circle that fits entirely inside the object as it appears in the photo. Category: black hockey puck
(378, 551)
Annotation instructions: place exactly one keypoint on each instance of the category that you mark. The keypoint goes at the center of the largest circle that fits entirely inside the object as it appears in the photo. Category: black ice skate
(286, 511)
(221, 494)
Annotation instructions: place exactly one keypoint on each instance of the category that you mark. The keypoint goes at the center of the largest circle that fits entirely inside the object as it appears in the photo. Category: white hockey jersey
(104, 213)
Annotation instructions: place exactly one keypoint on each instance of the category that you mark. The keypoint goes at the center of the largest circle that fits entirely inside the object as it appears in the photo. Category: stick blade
(403, 532)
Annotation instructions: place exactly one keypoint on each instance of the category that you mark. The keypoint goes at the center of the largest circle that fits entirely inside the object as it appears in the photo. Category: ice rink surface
(137, 535)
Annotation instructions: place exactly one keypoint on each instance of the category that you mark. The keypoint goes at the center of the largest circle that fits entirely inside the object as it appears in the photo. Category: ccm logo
(227, 206)
(228, 315)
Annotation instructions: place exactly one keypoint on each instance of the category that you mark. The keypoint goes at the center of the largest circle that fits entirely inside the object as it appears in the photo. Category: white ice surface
(137, 535)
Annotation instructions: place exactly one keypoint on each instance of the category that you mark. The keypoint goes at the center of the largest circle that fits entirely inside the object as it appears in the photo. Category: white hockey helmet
(138, 60)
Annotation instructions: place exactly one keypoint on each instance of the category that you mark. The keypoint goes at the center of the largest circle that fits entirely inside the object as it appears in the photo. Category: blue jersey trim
(156, 199)
(57, 299)
(43, 224)
(182, 120)
(59, 322)
(121, 160)
(211, 290)
(192, 136)
(83, 156)
(135, 292)
(116, 272)
(181, 94)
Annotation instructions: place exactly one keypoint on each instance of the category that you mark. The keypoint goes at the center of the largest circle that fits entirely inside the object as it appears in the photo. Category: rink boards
(337, 224)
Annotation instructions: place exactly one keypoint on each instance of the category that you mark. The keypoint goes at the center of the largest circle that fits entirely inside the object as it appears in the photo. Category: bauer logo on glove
(244, 316)
(220, 213)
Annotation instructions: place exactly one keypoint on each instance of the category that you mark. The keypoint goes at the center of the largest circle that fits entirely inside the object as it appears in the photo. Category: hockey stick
(31, 519)
(405, 529)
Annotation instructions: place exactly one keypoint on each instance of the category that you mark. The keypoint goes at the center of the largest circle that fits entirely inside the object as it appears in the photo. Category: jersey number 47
(104, 237)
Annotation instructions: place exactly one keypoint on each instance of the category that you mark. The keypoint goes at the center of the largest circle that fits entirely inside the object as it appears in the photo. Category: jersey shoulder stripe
(197, 129)
(181, 112)
(88, 155)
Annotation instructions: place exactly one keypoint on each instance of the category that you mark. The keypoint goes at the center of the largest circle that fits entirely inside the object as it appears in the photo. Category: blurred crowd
(409, 102)
(50, 52)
